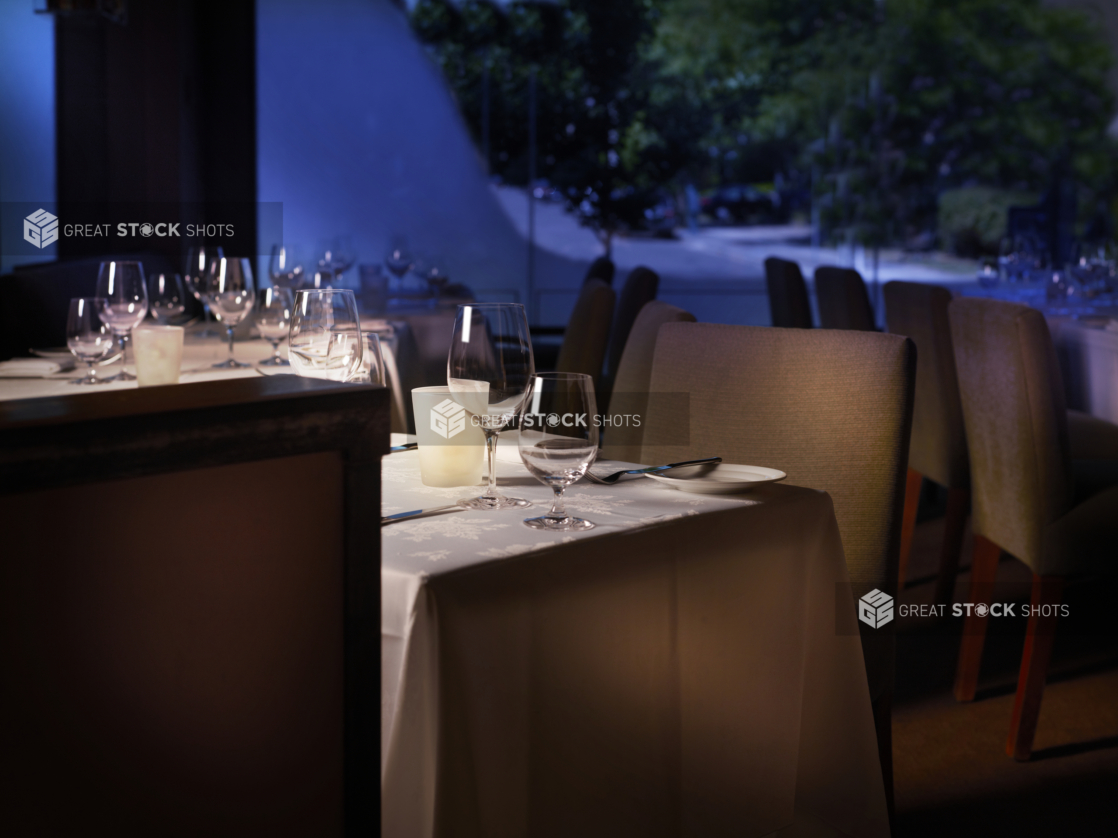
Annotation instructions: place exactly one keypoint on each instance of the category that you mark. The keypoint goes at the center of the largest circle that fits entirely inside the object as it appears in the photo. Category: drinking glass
(325, 337)
(286, 267)
(124, 303)
(559, 440)
(273, 320)
(198, 262)
(88, 337)
(399, 259)
(229, 291)
(372, 361)
(337, 257)
(166, 296)
(488, 370)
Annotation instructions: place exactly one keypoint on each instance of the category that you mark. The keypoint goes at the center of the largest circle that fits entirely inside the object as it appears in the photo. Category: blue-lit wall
(26, 111)
(359, 136)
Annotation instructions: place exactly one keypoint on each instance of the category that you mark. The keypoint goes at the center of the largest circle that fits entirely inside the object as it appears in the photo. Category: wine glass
(124, 303)
(88, 337)
(488, 370)
(337, 257)
(273, 321)
(198, 262)
(399, 259)
(229, 291)
(372, 361)
(325, 338)
(559, 440)
(166, 296)
(286, 267)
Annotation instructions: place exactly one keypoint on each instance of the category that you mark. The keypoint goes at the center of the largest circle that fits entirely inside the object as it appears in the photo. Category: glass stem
(275, 349)
(123, 353)
(229, 329)
(491, 451)
(557, 509)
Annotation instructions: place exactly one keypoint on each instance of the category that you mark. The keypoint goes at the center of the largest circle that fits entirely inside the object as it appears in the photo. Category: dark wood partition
(190, 610)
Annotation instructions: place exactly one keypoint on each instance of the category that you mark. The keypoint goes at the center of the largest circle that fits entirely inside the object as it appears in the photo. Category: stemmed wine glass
(325, 339)
(88, 338)
(166, 296)
(337, 258)
(198, 263)
(559, 440)
(273, 320)
(123, 296)
(230, 293)
(399, 259)
(488, 370)
(286, 267)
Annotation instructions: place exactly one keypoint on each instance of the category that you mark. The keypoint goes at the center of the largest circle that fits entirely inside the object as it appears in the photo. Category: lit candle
(158, 354)
(451, 446)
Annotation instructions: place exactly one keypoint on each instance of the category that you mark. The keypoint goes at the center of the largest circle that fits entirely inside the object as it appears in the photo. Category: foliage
(610, 130)
(875, 106)
(972, 220)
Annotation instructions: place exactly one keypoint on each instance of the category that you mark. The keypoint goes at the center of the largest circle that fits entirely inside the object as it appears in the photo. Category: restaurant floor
(952, 775)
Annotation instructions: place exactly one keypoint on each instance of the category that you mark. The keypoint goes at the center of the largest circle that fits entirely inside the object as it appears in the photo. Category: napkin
(32, 367)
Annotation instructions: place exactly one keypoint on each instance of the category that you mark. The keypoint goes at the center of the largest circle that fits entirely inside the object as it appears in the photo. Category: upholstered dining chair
(788, 300)
(587, 335)
(938, 450)
(622, 437)
(641, 286)
(1029, 500)
(843, 300)
(832, 409)
(601, 268)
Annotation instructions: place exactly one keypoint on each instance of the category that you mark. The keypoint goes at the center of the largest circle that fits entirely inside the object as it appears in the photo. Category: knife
(407, 446)
(420, 513)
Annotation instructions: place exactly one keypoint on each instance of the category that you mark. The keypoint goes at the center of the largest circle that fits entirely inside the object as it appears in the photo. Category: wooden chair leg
(983, 571)
(958, 501)
(1047, 596)
(913, 483)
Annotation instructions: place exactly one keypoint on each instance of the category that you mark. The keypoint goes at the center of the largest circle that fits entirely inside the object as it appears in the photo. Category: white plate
(722, 479)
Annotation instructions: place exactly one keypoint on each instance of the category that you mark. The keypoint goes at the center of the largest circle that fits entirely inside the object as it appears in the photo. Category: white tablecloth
(1088, 352)
(679, 670)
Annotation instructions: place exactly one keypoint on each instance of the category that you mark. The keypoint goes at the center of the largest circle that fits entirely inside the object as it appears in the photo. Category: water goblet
(273, 321)
(166, 296)
(559, 440)
(89, 339)
(123, 296)
(325, 340)
(489, 366)
(198, 262)
(230, 293)
(286, 267)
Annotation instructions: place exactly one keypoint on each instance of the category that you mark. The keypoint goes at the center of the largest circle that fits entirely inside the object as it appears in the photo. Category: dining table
(691, 666)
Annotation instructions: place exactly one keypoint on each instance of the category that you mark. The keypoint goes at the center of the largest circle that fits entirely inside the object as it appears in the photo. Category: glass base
(567, 524)
(230, 364)
(274, 362)
(494, 503)
(85, 379)
(123, 375)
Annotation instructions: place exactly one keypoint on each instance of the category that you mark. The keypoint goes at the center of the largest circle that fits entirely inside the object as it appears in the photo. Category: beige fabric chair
(1027, 500)
(640, 288)
(833, 410)
(788, 300)
(938, 450)
(584, 344)
(843, 300)
(634, 373)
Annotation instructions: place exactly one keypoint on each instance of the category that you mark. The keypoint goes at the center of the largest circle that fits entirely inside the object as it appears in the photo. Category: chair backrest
(584, 344)
(843, 300)
(939, 445)
(601, 268)
(832, 409)
(631, 386)
(788, 301)
(1016, 423)
(640, 288)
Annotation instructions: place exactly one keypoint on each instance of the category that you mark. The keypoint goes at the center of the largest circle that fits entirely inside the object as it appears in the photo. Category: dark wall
(161, 109)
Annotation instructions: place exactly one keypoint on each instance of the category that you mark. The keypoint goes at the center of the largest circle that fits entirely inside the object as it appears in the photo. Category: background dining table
(689, 667)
